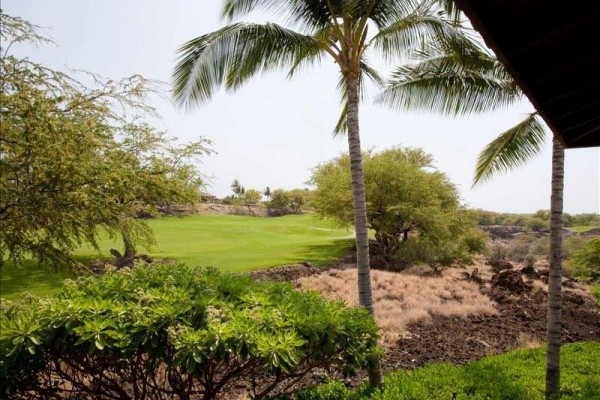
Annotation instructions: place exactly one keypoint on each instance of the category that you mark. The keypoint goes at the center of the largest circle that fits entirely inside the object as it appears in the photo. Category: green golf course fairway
(227, 242)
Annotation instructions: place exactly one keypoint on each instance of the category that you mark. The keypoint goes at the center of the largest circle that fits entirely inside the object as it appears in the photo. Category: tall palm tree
(453, 80)
(343, 30)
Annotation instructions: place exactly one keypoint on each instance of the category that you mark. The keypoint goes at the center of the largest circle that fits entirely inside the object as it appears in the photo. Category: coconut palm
(345, 31)
(452, 80)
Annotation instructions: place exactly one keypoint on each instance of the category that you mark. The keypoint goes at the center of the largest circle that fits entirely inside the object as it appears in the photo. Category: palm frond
(448, 92)
(511, 149)
(367, 72)
(341, 128)
(233, 54)
(426, 24)
(306, 13)
(384, 12)
(453, 80)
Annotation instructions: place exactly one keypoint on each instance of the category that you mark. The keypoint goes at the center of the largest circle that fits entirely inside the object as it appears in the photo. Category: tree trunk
(554, 326)
(129, 246)
(365, 295)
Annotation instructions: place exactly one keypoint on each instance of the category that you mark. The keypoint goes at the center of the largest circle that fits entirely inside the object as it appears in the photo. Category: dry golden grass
(402, 299)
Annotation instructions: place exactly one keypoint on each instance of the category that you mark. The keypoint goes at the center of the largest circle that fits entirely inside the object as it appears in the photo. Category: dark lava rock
(499, 265)
(379, 262)
(510, 280)
(530, 271)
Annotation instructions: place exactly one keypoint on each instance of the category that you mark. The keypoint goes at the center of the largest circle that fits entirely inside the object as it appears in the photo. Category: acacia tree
(75, 158)
(153, 173)
(345, 31)
(457, 80)
(412, 206)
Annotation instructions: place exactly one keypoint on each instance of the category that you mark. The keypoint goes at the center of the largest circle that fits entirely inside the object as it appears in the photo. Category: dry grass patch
(402, 299)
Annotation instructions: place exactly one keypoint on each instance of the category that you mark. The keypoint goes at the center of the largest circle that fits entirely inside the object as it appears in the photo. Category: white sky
(273, 131)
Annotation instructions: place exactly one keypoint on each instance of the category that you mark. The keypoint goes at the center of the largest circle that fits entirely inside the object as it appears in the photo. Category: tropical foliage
(413, 209)
(585, 262)
(77, 158)
(162, 331)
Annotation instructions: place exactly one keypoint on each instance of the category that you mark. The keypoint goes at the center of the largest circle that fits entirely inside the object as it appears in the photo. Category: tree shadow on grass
(35, 278)
(323, 254)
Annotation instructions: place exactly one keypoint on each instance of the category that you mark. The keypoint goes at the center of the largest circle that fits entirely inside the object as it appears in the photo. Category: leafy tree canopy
(406, 196)
(80, 157)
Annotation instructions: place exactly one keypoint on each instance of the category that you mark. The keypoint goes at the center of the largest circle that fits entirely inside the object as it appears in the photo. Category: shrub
(288, 202)
(519, 249)
(407, 198)
(572, 244)
(537, 224)
(171, 331)
(418, 250)
(596, 293)
(497, 251)
(585, 262)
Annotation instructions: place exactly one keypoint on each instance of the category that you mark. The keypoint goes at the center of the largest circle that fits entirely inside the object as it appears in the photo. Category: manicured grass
(230, 243)
(518, 375)
(582, 228)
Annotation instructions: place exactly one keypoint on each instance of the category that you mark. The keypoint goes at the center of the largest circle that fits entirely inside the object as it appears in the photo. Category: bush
(585, 262)
(596, 293)
(288, 202)
(537, 224)
(418, 250)
(572, 244)
(518, 375)
(476, 241)
(171, 331)
(407, 199)
(497, 251)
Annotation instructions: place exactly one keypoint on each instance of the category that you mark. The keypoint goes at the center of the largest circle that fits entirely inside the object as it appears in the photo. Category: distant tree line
(536, 221)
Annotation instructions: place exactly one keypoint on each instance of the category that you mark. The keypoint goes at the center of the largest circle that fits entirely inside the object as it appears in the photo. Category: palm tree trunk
(365, 295)
(358, 196)
(554, 327)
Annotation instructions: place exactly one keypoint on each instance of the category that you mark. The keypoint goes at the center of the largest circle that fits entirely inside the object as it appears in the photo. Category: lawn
(518, 375)
(230, 243)
(582, 228)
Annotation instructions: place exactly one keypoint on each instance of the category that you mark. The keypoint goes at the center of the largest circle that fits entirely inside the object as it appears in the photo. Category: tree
(536, 224)
(458, 80)
(250, 198)
(74, 160)
(267, 193)
(280, 202)
(343, 30)
(154, 173)
(237, 188)
(408, 199)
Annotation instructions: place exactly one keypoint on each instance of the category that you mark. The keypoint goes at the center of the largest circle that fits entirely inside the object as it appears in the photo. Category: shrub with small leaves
(585, 262)
(176, 332)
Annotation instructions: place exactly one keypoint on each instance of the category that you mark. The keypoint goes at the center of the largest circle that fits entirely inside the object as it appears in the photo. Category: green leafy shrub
(585, 262)
(435, 253)
(518, 375)
(572, 244)
(413, 209)
(171, 331)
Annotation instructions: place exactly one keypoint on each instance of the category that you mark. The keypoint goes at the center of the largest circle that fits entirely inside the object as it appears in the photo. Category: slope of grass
(582, 228)
(518, 375)
(230, 243)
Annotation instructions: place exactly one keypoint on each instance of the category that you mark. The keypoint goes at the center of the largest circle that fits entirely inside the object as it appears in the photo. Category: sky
(273, 131)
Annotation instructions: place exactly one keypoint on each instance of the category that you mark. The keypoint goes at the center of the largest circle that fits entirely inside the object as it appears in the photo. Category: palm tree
(452, 80)
(343, 30)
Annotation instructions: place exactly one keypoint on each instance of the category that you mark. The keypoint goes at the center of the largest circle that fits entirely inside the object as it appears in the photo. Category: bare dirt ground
(460, 318)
